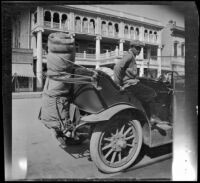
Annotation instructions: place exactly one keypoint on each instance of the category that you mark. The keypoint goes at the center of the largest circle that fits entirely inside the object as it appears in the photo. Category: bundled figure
(57, 94)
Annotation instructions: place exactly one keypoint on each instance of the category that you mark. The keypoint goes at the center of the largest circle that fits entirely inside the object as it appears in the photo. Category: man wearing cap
(125, 73)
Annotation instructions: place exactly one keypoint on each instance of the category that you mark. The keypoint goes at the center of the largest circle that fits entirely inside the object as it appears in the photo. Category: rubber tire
(94, 145)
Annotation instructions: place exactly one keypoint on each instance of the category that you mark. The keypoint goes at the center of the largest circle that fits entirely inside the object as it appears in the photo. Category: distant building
(173, 46)
(102, 36)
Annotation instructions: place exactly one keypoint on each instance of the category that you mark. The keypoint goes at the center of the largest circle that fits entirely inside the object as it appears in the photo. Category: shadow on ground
(153, 152)
(79, 151)
(82, 151)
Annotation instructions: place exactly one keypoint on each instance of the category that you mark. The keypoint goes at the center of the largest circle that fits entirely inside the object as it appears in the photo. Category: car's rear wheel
(115, 145)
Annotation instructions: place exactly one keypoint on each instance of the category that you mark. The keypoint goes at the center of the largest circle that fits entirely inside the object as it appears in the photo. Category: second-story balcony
(87, 24)
(57, 26)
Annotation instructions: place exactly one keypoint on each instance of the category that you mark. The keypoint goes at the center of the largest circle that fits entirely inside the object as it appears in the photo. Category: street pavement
(36, 154)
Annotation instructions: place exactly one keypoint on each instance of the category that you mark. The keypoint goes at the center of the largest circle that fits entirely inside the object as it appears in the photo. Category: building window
(56, 20)
(155, 36)
(137, 33)
(150, 35)
(126, 31)
(116, 29)
(154, 52)
(182, 50)
(145, 52)
(103, 28)
(78, 24)
(47, 19)
(64, 22)
(56, 17)
(175, 49)
(23, 82)
(132, 32)
(85, 25)
(110, 29)
(92, 26)
(145, 35)
(35, 17)
(47, 16)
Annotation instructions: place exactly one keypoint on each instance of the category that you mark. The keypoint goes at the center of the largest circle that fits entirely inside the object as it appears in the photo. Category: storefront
(22, 70)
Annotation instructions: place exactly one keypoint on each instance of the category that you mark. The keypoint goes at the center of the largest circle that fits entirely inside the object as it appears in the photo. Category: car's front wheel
(115, 145)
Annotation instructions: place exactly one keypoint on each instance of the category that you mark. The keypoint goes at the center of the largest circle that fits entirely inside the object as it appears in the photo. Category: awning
(23, 70)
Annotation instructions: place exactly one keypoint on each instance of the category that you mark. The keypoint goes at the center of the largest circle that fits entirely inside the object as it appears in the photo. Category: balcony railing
(56, 25)
(165, 62)
(47, 24)
(86, 30)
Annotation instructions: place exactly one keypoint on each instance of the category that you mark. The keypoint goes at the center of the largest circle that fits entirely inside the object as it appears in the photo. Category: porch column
(121, 45)
(98, 38)
(81, 19)
(60, 20)
(39, 60)
(98, 26)
(51, 19)
(71, 21)
(33, 44)
(159, 60)
(40, 16)
(142, 68)
(117, 51)
(141, 33)
(121, 30)
(88, 25)
(148, 38)
(141, 55)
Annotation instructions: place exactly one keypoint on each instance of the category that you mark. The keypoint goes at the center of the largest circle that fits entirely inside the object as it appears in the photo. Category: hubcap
(118, 144)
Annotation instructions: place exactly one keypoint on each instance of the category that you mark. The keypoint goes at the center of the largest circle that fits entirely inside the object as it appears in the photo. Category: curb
(24, 95)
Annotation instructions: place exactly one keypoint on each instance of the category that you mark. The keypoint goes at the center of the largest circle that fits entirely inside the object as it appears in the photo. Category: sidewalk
(22, 95)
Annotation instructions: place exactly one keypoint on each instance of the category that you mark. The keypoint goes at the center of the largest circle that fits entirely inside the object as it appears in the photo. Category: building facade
(102, 36)
(173, 42)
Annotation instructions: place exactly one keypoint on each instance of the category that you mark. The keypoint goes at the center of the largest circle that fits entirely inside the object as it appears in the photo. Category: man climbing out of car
(125, 75)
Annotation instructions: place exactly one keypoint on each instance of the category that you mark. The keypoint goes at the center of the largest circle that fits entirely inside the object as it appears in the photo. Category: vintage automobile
(116, 122)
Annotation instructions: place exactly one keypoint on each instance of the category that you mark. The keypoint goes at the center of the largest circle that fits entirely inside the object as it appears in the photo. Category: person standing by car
(125, 75)
(57, 94)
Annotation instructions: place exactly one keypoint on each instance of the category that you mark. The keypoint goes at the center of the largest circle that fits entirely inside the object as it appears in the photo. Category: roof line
(126, 13)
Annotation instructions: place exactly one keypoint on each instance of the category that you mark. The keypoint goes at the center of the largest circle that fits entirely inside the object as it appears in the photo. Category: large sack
(61, 43)
(60, 62)
(54, 108)
(57, 88)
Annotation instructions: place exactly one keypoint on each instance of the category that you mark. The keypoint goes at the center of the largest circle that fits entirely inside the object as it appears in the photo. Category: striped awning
(23, 70)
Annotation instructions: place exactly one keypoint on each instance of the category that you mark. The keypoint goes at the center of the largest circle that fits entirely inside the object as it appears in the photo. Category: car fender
(107, 114)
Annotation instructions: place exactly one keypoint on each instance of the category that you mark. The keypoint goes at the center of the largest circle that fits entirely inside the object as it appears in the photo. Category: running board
(161, 133)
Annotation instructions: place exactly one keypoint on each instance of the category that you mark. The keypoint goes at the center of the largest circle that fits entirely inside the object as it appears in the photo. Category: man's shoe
(60, 137)
(156, 120)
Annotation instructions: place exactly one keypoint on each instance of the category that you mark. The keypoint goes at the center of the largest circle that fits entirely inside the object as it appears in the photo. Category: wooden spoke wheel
(115, 145)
